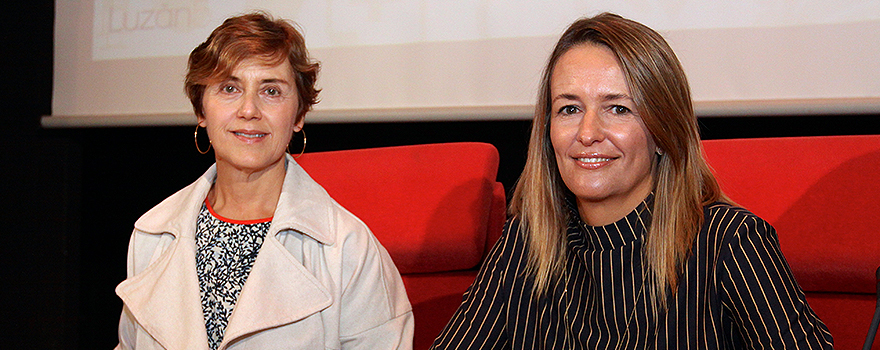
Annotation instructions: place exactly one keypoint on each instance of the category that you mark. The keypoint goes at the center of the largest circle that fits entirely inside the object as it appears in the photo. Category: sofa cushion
(429, 205)
(822, 194)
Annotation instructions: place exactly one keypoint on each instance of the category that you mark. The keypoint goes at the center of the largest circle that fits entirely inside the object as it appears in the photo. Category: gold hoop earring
(196, 137)
(304, 146)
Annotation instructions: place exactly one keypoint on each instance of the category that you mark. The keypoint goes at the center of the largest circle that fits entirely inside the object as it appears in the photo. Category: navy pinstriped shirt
(736, 292)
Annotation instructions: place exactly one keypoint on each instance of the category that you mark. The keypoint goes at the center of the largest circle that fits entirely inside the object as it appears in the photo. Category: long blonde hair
(683, 182)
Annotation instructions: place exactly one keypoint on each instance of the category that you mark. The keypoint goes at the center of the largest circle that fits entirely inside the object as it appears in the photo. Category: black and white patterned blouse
(225, 253)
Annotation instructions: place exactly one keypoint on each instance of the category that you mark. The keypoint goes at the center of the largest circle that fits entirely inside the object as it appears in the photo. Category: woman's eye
(228, 89)
(273, 92)
(570, 109)
(620, 110)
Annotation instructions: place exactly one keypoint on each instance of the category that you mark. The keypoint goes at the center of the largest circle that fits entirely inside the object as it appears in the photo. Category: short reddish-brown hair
(254, 35)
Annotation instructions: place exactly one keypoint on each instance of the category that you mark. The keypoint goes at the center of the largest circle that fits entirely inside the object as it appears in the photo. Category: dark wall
(70, 196)
(38, 187)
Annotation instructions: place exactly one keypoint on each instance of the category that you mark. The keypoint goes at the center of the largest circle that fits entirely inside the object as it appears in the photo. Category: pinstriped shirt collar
(630, 228)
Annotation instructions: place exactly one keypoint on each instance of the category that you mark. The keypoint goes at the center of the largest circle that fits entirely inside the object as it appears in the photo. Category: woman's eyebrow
(615, 96)
(274, 80)
(566, 96)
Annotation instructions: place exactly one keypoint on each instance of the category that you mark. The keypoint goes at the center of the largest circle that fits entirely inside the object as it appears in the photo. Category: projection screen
(122, 62)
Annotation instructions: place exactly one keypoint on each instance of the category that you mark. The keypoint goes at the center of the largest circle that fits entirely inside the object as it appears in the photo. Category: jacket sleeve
(766, 304)
(376, 313)
(480, 321)
(127, 327)
(127, 331)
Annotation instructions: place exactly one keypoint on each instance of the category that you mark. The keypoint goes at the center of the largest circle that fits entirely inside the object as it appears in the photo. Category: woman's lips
(593, 162)
(248, 135)
(594, 159)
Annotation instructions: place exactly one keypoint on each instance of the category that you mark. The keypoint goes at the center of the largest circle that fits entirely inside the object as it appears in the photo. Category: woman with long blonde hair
(620, 237)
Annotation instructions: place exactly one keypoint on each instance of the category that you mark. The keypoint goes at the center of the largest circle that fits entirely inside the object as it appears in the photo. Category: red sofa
(436, 208)
(822, 194)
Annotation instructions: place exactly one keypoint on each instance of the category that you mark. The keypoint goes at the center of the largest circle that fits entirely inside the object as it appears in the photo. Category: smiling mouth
(250, 136)
(594, 160)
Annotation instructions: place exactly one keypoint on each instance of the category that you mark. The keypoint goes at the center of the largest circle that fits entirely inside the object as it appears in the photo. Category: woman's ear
(201, 122)
(299, 124)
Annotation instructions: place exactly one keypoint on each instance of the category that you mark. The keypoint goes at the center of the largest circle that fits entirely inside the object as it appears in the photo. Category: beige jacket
(321, 279)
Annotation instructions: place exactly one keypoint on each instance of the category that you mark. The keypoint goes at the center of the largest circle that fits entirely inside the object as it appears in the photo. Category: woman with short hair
(255, 254)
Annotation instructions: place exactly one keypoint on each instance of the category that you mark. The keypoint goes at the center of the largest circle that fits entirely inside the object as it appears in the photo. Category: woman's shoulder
(728, 212)
(176, 212)
(507, 257)
(514, 233)
(512, 246)
(728, 224)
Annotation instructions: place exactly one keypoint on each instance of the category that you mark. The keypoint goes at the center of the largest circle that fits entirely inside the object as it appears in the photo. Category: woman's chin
(250, 164)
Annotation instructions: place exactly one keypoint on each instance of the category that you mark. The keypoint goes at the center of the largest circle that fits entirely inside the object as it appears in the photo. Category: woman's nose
(249, 108)
(590, 129)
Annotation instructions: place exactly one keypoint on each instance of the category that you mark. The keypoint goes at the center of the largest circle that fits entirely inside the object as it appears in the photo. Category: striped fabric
(736, 292)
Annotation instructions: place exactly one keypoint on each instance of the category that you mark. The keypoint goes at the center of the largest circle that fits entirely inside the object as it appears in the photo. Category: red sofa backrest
(822, 194)
(435, 207)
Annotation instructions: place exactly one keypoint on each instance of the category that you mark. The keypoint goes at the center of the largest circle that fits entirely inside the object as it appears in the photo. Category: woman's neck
(246, 195)
(610, 210)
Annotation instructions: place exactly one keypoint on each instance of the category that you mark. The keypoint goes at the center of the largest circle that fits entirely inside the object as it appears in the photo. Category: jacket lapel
(165, 300)
(278, 291)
